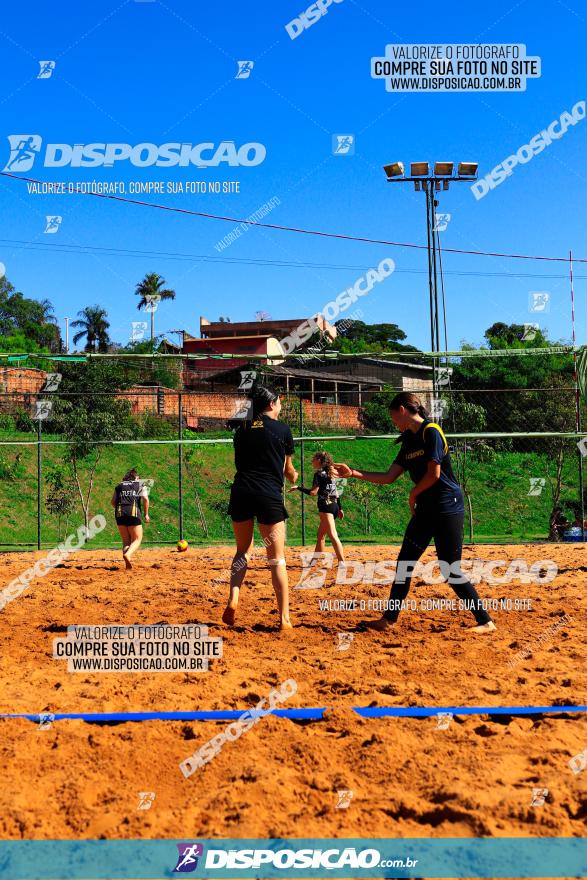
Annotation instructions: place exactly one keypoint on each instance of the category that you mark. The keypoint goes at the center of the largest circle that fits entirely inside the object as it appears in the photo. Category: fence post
(577, 397)
(302, 469)
(180, 463)
(39, 482)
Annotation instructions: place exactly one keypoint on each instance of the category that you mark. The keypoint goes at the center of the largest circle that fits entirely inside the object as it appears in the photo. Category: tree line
(30, 325)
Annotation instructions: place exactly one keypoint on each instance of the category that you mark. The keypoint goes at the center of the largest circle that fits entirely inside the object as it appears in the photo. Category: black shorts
(264, 508)
(329, 507)
(129, 521)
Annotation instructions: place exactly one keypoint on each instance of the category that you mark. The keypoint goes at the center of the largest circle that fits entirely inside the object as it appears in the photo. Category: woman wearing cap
(129, 495)
(263, 447)
(436, 504)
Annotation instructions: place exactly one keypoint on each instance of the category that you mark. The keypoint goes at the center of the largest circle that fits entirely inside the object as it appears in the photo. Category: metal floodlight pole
(429, 233)
(429, 184)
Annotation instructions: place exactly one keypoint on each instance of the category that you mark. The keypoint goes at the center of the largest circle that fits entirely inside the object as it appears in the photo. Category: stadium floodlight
(445, 184)
(419, 169)
(396, 169)
(437, 185)
(468, 169)
(417, 185)
(443, 169)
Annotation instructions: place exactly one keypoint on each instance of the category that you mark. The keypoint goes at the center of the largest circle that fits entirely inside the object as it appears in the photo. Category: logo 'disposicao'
(23, 151)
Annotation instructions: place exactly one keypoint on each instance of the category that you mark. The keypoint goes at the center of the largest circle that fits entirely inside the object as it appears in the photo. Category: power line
(296, 229)
(88, 250)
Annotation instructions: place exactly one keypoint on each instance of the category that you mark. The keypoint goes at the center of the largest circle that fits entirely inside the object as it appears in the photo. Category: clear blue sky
(165, 71)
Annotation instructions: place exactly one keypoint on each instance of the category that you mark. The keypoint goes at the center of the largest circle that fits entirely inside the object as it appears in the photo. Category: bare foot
(380, 625)
(229, 616)
(484, 627)
(127, 561)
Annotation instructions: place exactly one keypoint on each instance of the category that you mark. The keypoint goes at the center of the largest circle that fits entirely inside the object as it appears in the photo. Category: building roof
(310, 374)
(280, 326)
(323, 374)
(381, 362)
(212, 340)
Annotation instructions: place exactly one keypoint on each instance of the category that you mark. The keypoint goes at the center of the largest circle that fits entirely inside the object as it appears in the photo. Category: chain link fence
(517, 452)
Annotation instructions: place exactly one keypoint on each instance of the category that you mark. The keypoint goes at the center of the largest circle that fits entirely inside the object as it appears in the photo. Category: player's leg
(328, 522)
(243, 534)
(274, 539)
(136, 536)
(126, 542)
(321, 537)
(124, 537)
(416, 539)
(448, 540)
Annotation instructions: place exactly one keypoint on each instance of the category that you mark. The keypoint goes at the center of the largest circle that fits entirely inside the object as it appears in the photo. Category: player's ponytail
(410, 402)
(130, 475)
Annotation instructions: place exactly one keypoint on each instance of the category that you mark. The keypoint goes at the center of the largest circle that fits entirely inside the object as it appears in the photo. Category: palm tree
(47, 313)
(94, 327)
(152, 286)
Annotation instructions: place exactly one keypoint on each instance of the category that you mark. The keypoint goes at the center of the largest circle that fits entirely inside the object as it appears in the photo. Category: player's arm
(314, 488)
(394, 471)
(113, 500)
(289, 470)
(312, 491)
(431, 477)
(146, 507)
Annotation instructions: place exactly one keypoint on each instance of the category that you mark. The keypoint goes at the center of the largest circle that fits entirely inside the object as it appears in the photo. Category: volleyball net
(70, 428)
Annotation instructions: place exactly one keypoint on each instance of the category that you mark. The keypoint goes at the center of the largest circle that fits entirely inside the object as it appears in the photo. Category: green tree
(90, 415)
(166, 371)
(151, 291)
(94, 326)
(367, 497)
(18, 342)
(357, 337)
(31, 318)
(60, 500)
(517, 386)
(374, 414)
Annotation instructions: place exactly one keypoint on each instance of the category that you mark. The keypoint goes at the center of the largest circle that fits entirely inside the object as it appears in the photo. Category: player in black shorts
(128, 497)
(263, 447)
(436, 503)
(329, 502)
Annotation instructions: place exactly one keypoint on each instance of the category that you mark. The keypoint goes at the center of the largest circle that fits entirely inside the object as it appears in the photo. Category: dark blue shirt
(427, 444)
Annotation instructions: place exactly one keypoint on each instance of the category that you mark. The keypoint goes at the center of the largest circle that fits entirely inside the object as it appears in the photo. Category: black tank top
(128, 499)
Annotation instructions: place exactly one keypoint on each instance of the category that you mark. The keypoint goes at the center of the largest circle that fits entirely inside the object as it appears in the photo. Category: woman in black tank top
(329, 504)
(129, 497)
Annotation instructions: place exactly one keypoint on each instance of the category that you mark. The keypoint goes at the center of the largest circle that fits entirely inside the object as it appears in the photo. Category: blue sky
(156, 72)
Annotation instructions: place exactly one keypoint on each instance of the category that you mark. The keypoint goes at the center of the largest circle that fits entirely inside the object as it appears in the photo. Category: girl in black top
(129, 495)
(329, 504)
(436, 504)
(263, 447)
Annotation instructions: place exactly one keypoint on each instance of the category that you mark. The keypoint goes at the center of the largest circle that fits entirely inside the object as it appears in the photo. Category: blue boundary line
(301, 714)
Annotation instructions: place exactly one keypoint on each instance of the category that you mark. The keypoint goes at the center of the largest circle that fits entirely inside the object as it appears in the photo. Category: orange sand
(408, 778)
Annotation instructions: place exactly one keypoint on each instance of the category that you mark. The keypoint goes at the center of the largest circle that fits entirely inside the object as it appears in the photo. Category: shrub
(152, 427)
(24, 422)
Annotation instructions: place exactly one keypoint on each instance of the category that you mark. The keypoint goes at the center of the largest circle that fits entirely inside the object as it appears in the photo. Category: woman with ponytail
(436, 505)
(263, 447)
(329, 504)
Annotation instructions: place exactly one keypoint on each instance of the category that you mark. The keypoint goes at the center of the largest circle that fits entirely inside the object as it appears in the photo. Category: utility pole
(430, 184)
